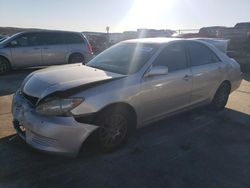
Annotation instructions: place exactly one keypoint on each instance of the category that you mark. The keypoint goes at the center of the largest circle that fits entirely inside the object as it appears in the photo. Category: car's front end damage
(42, 113)
(57, 134)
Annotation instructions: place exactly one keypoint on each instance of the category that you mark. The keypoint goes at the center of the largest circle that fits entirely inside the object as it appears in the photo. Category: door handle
(45, 48)
(36, 48)
(187, 77)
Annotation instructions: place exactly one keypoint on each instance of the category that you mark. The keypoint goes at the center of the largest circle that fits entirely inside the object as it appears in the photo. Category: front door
(164, 94)
(26, 50)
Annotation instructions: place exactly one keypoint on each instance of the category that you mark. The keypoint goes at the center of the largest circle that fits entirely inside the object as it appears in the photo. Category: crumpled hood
(61, 78)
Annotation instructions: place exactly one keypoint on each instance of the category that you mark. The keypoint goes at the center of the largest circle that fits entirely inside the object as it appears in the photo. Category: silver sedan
(125, 87)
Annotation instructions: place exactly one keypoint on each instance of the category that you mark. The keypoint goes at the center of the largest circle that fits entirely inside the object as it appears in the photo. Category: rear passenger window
(215, 58)
(52, 38)
(72, 38)
(201, 55)
(173, 56)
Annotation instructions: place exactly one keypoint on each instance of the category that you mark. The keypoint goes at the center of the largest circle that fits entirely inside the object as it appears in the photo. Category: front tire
(221, 97)
(4, 66)
(115, 125)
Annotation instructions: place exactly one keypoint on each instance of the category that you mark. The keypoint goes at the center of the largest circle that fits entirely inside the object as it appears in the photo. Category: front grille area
(31, 99)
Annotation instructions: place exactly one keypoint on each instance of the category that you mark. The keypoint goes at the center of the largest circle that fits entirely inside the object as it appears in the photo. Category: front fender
(6, 54)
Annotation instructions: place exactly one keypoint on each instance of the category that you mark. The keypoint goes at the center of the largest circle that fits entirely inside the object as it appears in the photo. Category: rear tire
(76, 58)
(4, 65)
(221, 96)
(115, 125)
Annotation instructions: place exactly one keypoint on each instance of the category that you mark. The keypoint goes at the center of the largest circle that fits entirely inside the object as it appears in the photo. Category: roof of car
(164, 40)
(46, 31)
(153, 40)
(220, 44)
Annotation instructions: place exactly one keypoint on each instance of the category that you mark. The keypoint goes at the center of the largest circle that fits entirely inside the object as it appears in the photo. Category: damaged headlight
(58, 107)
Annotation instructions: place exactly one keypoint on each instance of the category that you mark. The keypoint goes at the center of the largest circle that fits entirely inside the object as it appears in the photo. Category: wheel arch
(124, 106)
(219, 101)
(227, 82)
(90, 119)
(216, 89)
(6, 58)
(74, 53)
(5, 65)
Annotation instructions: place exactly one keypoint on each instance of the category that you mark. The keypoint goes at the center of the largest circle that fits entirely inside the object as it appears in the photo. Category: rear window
(201, 54)
(52, 38)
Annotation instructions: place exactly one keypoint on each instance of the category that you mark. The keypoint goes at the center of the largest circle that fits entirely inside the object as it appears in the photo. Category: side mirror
(13, 43)
(157, 70)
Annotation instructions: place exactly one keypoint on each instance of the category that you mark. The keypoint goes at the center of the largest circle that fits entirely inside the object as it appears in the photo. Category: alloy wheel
(113, 131)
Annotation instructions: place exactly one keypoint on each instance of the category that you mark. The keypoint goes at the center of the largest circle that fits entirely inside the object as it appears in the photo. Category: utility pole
(107, 29)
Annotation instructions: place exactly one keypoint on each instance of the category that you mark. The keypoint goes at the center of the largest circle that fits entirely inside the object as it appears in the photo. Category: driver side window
(25, 40)
(173, 56)
(22, 41)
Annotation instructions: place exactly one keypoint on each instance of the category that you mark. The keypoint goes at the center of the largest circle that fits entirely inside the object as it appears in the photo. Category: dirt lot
(194, 149)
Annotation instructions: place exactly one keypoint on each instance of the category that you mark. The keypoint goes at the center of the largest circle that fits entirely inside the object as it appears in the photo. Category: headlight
(58, 106)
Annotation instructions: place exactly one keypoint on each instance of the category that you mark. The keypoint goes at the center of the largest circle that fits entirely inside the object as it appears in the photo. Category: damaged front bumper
(54, 134)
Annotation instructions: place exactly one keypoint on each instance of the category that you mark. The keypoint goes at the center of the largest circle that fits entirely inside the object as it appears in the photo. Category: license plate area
(20, 129)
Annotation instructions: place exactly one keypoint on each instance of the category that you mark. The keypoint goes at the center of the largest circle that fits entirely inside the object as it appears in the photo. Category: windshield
(3, 39)
(124, 58)
(8, 37)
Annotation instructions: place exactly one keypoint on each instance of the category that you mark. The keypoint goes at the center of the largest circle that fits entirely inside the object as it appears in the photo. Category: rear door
(54, 50)
(77, 44)
(27, 50)
(163, 94)
(206, 69)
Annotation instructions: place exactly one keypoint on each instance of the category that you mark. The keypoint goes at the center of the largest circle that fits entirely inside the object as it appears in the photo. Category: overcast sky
(122, 15)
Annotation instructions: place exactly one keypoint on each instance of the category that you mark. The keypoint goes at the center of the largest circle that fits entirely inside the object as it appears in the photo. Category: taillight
(90, 48)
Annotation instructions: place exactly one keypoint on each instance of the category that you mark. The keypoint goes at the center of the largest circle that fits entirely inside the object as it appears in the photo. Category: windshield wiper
(107, 69)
